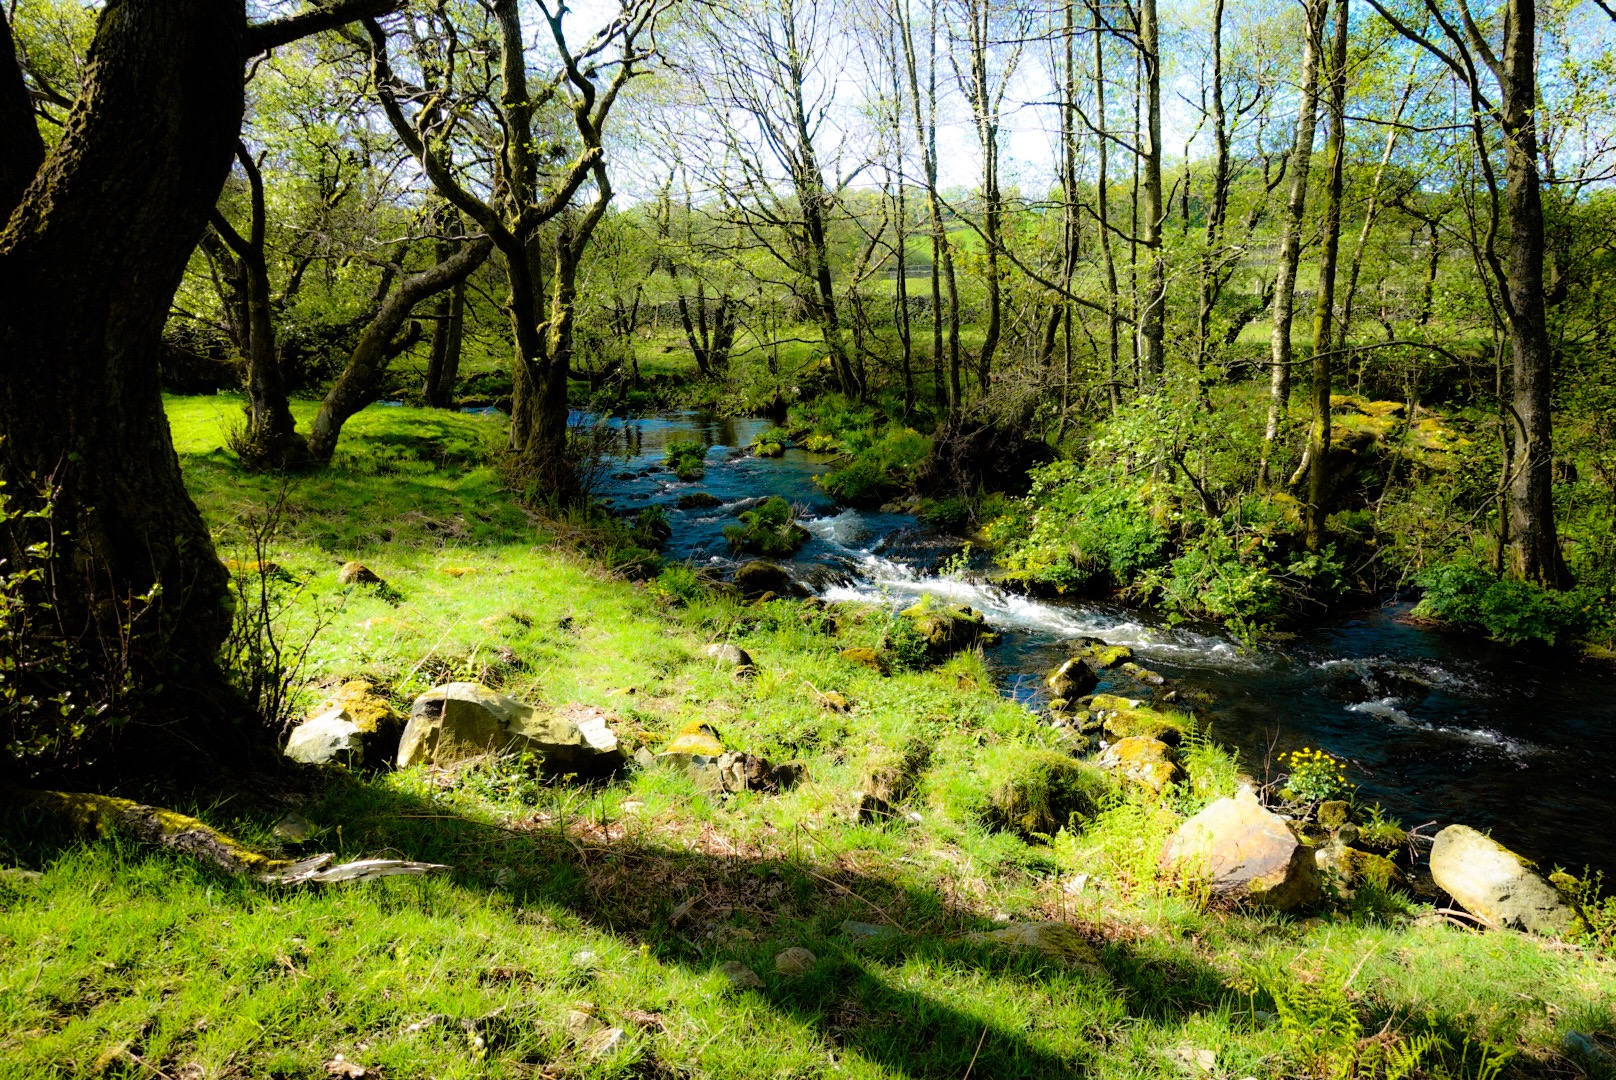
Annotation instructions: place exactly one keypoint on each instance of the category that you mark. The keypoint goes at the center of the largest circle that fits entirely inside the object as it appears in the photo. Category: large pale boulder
(354, 725)
(1489, 880)
(1244, 851)
(572, 739)
(328, 739)
(460, 720)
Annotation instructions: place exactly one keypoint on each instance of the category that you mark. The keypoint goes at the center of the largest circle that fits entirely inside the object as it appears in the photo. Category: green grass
(627, 897)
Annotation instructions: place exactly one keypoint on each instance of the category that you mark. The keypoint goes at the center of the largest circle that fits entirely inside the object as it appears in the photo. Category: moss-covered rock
(1072, 679)
(357, 573)
(757, 577)
(1334, 813)
(1382, 836)
(1055, 941)
(946, 630)
(697, 748)
(1149, 763)
(1125, 718)
(698, 500)
(890, 777)
(1101, 656)
(1141, 674)
(353, 726)
(461, 720)
(1041, 792)
(865, 658)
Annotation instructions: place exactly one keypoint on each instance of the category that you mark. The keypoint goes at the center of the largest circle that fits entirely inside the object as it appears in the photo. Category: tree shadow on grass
(701, 905)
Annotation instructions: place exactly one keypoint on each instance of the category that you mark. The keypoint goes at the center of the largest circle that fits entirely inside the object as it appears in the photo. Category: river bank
(1441, 726)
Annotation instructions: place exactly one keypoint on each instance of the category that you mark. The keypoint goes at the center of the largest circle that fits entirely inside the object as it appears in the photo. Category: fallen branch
(108, 815)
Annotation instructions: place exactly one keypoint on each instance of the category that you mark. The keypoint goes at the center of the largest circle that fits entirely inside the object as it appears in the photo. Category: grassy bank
(625, 900)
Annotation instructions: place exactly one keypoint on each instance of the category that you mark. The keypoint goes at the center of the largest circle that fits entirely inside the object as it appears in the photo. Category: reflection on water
(1440, 728)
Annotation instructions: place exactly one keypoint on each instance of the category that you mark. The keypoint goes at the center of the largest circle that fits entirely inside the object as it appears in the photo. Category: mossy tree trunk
(89, 263)
(1320, 480)
(1290, 244)
(95, 241)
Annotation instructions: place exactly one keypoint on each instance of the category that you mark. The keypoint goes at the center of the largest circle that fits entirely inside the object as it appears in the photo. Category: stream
(1441, 727)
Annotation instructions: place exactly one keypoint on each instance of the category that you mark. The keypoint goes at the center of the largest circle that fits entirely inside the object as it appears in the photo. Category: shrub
(882, 465)
(1465, 595)
(679, 584)
(771, 443)
(1315, 775)
(56, 693)
(1078, 531)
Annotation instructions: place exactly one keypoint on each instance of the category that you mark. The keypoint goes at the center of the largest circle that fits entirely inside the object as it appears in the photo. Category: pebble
(870, 931)
(605, 1042)
(795, 961)
(293, 827)
(740, 976)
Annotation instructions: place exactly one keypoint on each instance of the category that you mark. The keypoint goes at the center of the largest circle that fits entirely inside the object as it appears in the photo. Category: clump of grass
(769, 529)
(1038, 792)
(688, 460)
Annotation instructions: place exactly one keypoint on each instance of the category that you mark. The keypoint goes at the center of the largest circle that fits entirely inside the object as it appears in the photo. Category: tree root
(108, 815)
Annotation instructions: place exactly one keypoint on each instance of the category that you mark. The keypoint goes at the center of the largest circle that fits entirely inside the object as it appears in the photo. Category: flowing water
(1440, 727)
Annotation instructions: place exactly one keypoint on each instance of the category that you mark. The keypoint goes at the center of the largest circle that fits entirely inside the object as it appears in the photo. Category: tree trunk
(1319, 479)
(1213, 273)
(19, 132)
(1102, 209)
(1535, 546)
(270, 440)
(361, 377)
(942, 255)
(1153, 324)
(1290, 244)
(89, 264)
(448, 333)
